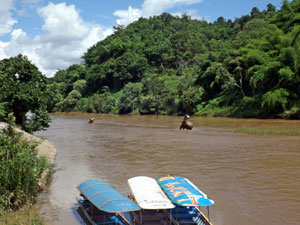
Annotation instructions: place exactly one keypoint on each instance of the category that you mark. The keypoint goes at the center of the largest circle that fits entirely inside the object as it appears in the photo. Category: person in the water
(185, 124)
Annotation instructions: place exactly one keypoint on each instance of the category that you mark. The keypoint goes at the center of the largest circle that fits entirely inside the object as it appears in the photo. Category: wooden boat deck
(152, 217)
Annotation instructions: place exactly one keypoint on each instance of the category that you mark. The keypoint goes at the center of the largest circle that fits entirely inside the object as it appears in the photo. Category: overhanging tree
(22, 88)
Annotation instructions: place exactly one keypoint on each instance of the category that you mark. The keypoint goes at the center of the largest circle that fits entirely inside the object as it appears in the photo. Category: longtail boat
(104, 205)
(153, 202)
(188, 199)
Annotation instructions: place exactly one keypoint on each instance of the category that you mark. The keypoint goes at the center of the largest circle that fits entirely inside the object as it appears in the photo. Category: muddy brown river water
(252, 179)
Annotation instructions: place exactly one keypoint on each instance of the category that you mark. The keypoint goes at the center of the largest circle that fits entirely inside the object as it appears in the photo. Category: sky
(56, 34)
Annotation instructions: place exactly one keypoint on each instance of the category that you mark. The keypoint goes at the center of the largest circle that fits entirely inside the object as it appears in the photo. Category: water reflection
(253, 180)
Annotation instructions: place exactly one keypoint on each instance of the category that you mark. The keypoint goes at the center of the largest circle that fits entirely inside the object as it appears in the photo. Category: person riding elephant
(185, 124)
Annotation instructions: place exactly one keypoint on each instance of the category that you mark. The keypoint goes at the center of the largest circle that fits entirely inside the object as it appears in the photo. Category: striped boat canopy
(106, 198)
(183, 192)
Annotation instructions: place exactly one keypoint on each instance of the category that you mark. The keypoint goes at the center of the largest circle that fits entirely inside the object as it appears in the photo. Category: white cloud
(66, 38)
(62, 22)
(194, 14)
(2, 46)
(127, 16)
(6, 20)
(149, 8)
(156, 7)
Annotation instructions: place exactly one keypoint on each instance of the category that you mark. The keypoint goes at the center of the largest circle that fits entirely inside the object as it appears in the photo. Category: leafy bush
(21, 170)
(3, 111)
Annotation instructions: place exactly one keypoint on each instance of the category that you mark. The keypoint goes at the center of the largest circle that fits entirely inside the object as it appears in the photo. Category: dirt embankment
(45, 148)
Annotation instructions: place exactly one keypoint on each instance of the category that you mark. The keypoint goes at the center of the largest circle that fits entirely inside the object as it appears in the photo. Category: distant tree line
(174, 65)
(166, 64)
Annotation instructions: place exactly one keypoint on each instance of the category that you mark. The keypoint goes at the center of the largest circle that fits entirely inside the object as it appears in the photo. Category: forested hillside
(249, 67)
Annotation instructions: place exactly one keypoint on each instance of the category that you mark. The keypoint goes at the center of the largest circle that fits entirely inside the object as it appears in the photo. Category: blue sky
(55, 34)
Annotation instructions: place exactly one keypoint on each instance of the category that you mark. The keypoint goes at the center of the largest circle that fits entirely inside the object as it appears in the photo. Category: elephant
(186, 124)
(91, 120)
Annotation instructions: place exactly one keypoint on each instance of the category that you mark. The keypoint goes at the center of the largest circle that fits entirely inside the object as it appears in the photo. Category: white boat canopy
(148, 194)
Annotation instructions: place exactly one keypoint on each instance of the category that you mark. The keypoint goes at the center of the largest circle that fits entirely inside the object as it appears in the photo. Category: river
(252, 179)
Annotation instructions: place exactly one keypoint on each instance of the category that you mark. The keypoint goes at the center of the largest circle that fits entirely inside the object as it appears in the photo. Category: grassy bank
(22, 172)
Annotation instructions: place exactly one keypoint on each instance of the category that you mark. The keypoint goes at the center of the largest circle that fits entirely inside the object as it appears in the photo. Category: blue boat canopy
(105, 197)
(183, 192)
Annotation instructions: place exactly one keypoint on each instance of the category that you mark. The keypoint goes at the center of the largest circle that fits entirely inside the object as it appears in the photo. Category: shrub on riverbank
(21, 171)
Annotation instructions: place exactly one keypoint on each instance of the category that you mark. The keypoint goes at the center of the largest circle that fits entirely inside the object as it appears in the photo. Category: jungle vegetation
(21, 170)
(174, 65)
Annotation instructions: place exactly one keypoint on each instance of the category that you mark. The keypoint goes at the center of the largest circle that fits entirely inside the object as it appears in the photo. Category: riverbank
(29, 160)
(44, 148)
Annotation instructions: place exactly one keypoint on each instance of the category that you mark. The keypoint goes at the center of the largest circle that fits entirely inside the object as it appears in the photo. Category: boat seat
(185, 215)
(101, 214)
(187, 223)
(183, 210)
(180, 210)
(106, 223)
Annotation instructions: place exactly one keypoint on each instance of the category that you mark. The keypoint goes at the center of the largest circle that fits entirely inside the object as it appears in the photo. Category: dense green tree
(79, 86)
(3, 111)
(22, 90)
(152, 99)
(255, 13)
(254, 29)
(130, 99)
(271, 8)
(54, 95)
(69, 103)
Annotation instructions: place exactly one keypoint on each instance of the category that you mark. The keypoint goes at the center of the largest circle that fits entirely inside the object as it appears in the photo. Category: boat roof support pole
(208, 213)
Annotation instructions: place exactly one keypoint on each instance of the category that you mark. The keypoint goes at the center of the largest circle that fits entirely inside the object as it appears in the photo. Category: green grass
(269, 131)
(25, 216)
(21, 170)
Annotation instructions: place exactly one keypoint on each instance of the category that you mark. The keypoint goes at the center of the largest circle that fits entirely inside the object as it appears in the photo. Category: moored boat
(153, 202)
(102, 204)
(188, 199)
